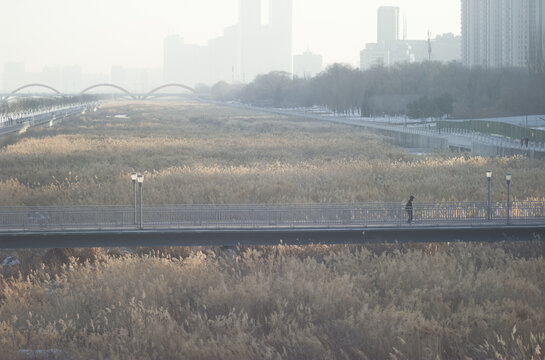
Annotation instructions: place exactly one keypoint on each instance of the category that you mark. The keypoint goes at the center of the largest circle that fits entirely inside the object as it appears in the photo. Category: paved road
(456, 138)
(44, 117)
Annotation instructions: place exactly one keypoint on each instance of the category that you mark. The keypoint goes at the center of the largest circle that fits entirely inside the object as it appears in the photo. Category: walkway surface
(229, 225)
(23, 122)
(453, 138)
(457, 138)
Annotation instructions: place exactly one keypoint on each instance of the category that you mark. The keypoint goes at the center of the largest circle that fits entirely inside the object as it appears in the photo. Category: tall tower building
(307, 64)
(250, 38)
(498, 33)
(264, 48)
(387, 24)
(245, 50)
(537, 37)
(280, 23)
(249, 13)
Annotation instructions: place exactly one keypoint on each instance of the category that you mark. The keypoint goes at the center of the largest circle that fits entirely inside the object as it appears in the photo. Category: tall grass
(195, 153)
(319, 302)
(472, 301)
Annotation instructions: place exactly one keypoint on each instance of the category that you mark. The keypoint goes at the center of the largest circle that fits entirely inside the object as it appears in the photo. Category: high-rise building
(497, 33)
(250, 43)
(537, 38)
(445, 48)
(245, 50)
(280, 23)
(184, 63)
(264, 47)
(374, 55)
(387, 24)
(172, 58)
(67, 79)
(223, 52)
(307, 64)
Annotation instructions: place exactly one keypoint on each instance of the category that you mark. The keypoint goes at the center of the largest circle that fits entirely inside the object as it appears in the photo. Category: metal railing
(51, 218)
(451, 133)
(11, 122)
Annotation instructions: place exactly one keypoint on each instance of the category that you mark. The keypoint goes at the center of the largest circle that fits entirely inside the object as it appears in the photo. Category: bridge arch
(107, 85)
(34, 85)
(169, 85)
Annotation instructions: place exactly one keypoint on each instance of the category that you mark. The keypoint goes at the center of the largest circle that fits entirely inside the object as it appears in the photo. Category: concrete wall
(416, 141)
(421, 141)
(495, 150)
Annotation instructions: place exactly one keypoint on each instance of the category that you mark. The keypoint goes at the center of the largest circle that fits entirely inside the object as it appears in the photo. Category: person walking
(409, 209)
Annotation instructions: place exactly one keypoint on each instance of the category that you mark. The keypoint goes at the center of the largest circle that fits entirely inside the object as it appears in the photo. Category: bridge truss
(151, 94)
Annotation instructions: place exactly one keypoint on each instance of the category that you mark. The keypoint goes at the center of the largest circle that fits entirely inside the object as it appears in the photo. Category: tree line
(418, 90)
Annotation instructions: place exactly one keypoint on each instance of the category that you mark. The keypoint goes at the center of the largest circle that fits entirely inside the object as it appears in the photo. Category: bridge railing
(28, 218)
(243, 216)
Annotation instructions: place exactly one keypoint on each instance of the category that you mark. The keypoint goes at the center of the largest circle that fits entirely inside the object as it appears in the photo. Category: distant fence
(495, 128)
(267, 216)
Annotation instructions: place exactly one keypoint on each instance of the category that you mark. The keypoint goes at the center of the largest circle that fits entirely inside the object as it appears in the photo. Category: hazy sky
(97, 34)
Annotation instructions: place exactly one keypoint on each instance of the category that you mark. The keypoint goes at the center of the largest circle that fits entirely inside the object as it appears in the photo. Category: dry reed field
(337, 302)
(454, 301)
(197, 153)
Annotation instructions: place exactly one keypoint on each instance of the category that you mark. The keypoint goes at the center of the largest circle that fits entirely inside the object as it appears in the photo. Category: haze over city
(272, 179)
(100, 34)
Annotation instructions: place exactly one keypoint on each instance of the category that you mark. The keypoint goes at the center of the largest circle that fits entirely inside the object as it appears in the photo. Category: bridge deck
(228, 225)
(266, 236)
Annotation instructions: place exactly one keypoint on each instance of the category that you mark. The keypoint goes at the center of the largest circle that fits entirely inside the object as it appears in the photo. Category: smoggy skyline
(100, 34)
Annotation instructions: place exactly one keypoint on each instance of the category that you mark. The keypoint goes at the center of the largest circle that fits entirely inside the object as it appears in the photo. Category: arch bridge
(149, 95)
(33, 85)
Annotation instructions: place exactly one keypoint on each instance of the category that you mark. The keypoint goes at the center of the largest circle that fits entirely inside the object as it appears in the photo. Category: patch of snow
(10, 261)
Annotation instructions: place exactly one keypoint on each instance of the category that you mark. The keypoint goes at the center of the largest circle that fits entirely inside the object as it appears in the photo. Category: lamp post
(488, 176)
(133, 178)
(508, 179)
(140, 181)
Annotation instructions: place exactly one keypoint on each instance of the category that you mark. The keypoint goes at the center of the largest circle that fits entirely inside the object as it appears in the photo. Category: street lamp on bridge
(140, 181)
(133, 178)
(508, 179)
(489, 177)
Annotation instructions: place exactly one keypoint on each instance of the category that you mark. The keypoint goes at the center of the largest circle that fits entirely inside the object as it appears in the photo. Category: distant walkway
(411, 134)
(11, 123)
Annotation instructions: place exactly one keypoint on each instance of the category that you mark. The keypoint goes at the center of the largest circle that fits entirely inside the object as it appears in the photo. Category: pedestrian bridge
(230, 225)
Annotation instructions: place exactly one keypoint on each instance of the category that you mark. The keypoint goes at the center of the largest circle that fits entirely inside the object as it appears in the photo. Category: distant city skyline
(259, 43)
(390, 48)
(101, 34)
